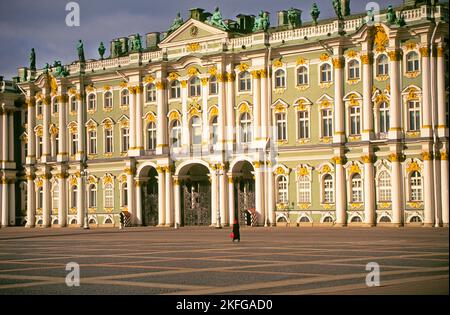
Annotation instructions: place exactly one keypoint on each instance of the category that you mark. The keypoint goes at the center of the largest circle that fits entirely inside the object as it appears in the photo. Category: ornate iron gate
(150, 210)
(197, 206)
(246, 201)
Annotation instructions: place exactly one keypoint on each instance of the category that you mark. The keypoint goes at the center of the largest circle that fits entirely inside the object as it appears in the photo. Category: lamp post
(84, 174)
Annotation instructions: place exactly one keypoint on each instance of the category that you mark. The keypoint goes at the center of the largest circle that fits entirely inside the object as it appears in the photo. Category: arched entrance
(195, 195)
(149, 185)
(244, 192)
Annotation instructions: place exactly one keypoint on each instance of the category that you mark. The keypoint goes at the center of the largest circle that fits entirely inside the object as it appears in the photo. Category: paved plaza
(203, 261)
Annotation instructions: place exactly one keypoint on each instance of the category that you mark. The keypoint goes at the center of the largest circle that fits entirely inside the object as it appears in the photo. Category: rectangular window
(125, 139)
(327, 123)
(92, 142)
(355, 120)
(414, 116)
(108, 141)
(303, 124)
(281, 126)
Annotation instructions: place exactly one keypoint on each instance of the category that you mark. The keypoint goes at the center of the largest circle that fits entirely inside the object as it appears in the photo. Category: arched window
(91, 102)
(356, 188)
(213, 86)
(73, 143)
(281, 122)
(416, 186)
(355, 120)
(246, 128)
(176, 134)
(245, 82)
(328, 189)
(353, 70)
(302, 76)
(92, 136)
(73, 104)
(125, 136)
(151, 93)
(382, 65)
(40, 197)
(327, 219)
(55, 199)
(356, 219)
(412, 62)
(109, 141)
(280, 79)
(304, 189)
(151, 136)
(109, 196)
(92, 196)
(55, 105)
(125, 97)
(325, 73)
(195, 87)
(175, 89)
(282, 189)
(196, 131)
(124, 197)
(384, 187)
(214, 129)
(384, 118)
(108, 100)
(413, 116)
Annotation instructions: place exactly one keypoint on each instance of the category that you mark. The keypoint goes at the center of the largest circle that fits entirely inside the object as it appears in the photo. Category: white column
(62, 202)
(428, 194)
(184, 115)
(444, 189)
(161, 197)
(441, 98)
(369, 192)
(222, 113)
(264, 104)
(256, 105)
(62, 120)
(31, 202)
(12, 203)
(177, 202)
(231, 198)
(271, 197)
(30, 129)
(259, 204)
(425, 130)
(11, 136)
(205, 117)
(5, 146)
(132, 119)
(161, 131)
(138, 202)
(437, 192)
(46, 209)
(169, 203)
(397, 190)
(4, 205)
(367, 133)
(46, 151)
(230, 108)
(395, 121)
(131, 197)
(223, 198)
(3, 152)
(80, 201)
(339, 109)
(214, 196)
(81, 130)
(139, 129)
(341, 194)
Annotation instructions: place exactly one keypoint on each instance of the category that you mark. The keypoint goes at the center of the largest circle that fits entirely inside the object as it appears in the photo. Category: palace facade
(329, 122)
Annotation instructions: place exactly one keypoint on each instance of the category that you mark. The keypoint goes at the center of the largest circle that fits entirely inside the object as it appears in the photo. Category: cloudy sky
(41, 23)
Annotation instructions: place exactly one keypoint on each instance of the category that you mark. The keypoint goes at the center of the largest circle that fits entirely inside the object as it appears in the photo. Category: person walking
(236, 234)
(122, 220)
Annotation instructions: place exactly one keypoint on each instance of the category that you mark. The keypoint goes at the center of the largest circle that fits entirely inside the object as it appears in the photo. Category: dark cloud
(41, 24)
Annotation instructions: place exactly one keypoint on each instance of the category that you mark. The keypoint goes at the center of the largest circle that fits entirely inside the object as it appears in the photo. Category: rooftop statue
(59, 69)
(117, 48)
(46, 68)
(262, 22)
(338, 9)
(401, 20)
(390, 15)
(217, 20)
(101, 50)
(293, 18)
(346, 8)
(80, 48)
(32, 59)
(315, 13)
(176, 24)
(136, 44)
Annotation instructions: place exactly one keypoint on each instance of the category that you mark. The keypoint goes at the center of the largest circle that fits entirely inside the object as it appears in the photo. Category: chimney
(282, 18)
(152, 40)
(197, 14)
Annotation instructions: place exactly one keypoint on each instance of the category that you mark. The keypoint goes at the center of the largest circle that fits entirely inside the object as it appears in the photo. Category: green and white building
(329, 122)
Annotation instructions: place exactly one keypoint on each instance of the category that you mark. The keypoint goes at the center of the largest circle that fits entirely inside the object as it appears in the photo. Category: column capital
(367, 59)
(367, 159)
(395, 55)
(424, 51)
(440, 52)
(427, 156)
(338, 63)
(338, 160)
(395, 157)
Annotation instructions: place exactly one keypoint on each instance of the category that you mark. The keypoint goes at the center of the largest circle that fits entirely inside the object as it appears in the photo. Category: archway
(244, 192)
(195, 195)
(148, 176)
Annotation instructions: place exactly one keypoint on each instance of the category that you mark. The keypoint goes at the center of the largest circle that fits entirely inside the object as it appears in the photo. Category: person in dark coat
(122, 220)
(236, 234)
